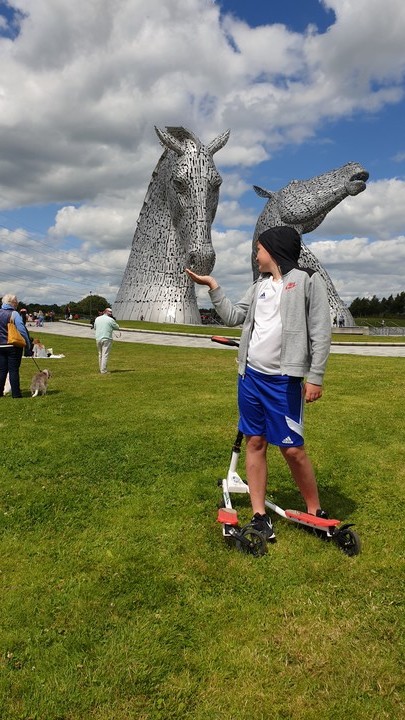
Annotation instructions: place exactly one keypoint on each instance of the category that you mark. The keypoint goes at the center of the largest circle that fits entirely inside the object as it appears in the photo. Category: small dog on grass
(39, 384)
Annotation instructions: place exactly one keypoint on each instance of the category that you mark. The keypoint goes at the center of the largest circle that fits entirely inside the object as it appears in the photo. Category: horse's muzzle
(201, 261)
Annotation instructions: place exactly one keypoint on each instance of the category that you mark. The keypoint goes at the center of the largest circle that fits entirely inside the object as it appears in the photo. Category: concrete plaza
(75, 329)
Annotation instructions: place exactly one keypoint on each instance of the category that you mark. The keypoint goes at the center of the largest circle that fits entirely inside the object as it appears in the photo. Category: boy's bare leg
(303, 474)
(256, 471)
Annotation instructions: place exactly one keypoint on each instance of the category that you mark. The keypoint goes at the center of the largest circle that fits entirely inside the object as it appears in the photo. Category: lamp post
(90, 305)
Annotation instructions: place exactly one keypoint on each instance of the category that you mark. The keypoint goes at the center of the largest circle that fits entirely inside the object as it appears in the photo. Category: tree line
(393, 306)
(89, 305)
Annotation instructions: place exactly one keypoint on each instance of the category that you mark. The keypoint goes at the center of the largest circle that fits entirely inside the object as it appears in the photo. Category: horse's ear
(169, 141)
(262, 193)
(219, 142)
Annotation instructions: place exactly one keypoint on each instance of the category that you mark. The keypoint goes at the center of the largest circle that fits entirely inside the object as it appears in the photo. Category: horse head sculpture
(173, 232)
(303, 205)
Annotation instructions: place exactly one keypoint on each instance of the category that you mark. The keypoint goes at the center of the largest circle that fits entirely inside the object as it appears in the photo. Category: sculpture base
(157, 312)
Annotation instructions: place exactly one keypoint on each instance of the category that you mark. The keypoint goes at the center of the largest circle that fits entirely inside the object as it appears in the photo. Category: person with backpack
(11, 355)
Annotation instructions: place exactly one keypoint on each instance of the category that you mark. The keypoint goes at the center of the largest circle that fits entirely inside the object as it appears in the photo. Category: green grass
(379, 339)
(394, 321)
(119, 598)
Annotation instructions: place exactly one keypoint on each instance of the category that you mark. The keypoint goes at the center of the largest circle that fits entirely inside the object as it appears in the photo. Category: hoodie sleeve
(319, 328)
(231, 314)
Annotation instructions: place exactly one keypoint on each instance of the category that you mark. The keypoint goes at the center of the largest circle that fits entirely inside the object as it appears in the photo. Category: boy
(285, 336)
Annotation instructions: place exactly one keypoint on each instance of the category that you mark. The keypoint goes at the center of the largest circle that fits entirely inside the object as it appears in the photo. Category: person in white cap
(104, 326)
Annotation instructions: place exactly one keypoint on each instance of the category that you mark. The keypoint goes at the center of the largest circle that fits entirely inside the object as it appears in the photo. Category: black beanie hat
(284, 245)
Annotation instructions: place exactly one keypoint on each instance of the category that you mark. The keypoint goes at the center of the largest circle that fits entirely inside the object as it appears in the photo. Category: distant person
(341, 321)
(285, 338)
(40, 319)
(38, 349)
(23, 313)
(10, 356)
(104, 326)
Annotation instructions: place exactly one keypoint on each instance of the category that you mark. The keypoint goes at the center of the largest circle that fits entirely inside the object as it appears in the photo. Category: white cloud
(231, 214)
(360, 268)
(37, 272)
(233, 185)
(375, 53)
(378, 212)
(96, 226)
(83, 84)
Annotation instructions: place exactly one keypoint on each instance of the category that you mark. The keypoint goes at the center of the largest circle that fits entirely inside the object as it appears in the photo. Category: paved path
(187, 340)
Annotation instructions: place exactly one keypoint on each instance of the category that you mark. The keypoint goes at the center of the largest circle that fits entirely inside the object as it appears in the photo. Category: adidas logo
(287, 440)
(262, 296)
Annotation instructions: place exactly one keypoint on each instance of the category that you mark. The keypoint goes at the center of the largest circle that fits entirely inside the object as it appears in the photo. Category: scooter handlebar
(224, 340)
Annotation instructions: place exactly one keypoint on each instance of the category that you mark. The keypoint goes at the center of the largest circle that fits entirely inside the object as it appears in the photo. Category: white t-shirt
(39, 352)
(265, 344)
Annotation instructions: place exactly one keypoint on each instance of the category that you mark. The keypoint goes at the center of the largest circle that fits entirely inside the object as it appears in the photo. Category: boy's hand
(202, 279)
(312, 392)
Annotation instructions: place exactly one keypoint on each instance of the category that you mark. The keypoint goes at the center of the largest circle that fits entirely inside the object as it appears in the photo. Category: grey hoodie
(305, 319)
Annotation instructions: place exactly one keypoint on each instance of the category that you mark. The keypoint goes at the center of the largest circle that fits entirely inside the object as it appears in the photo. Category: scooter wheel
(348, 541)
(251, 542)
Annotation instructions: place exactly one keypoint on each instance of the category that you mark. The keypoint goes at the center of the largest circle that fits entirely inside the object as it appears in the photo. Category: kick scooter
(249, 540)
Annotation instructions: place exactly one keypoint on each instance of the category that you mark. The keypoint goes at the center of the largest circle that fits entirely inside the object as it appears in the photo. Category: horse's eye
(179, 184)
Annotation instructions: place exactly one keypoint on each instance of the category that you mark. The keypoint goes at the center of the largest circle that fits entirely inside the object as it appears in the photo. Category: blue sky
(303, 86)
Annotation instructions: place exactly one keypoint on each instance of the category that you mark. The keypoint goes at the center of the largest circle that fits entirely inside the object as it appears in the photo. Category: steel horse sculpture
(173, 232)
(303, 204)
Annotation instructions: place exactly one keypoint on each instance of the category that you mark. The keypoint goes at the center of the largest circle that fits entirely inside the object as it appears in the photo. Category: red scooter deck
(311, 519)
(227, 516)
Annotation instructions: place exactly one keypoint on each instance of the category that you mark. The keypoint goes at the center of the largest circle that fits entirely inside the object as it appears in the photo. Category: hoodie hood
(284, 245)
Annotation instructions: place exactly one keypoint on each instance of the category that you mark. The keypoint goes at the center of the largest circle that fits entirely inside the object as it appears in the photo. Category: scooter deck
(308, 519)
(227, 516)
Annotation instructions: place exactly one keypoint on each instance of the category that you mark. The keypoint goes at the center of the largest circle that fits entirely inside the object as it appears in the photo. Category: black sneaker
(262, 524)
(322, 514)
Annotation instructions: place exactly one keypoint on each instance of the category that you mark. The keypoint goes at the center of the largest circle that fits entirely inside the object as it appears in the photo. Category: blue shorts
(271, 406)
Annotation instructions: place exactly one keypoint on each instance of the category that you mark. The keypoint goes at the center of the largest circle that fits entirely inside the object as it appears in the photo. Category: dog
(39, 384)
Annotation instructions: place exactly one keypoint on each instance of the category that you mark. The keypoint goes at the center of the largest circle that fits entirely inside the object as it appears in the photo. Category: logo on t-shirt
(262, 296)
(290, 286)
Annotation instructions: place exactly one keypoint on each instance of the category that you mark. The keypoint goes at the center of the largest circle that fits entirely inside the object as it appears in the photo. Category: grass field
(379, 339)
(394, 321)
(119, 599)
